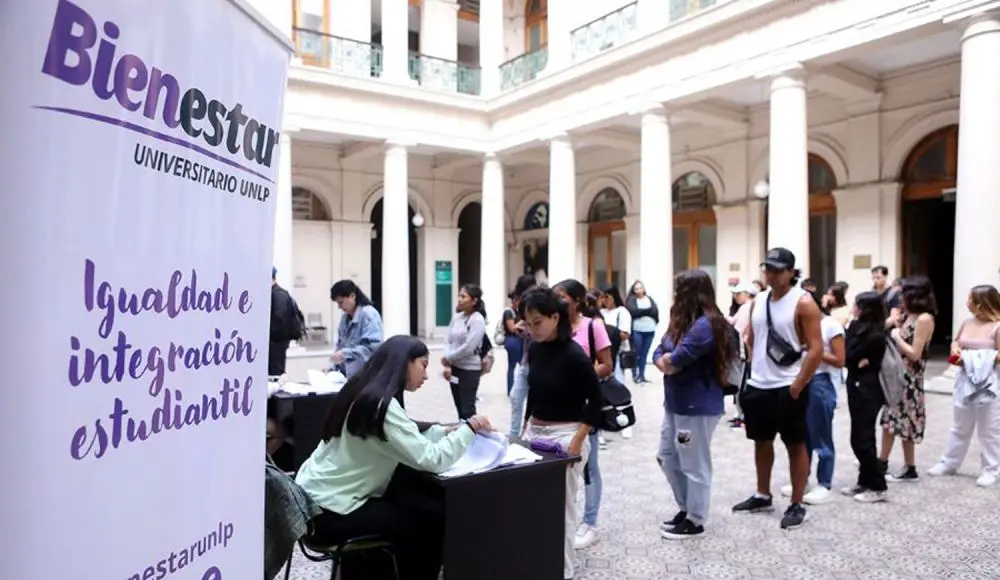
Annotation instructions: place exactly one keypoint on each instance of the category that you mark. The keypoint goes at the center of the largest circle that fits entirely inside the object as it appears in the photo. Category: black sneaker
(682, 531)
(674, 521)
(908, 475)
(755, 505)
(852, 490)
(794, 517)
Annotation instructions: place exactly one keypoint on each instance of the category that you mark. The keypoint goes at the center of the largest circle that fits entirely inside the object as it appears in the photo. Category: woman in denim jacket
(360, 330)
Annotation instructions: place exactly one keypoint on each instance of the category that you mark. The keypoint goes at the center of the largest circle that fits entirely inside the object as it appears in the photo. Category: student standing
(463, 362)
(645, 316)
(360, 330)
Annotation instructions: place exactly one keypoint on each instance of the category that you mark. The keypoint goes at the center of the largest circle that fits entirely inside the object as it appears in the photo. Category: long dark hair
(545, 302)
(361, 404)
(918, 295)
(476, 293)
(593, 302)
(985, 300)
(694, 296)
(612, 291)
(344, 288)
(871, 313)
(576, 291)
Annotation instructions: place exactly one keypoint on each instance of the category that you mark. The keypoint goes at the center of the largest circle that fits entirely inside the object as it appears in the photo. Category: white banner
(138, 168)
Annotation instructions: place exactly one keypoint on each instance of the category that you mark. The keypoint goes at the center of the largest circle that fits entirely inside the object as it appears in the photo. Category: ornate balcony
(521, 69)
(681, 8)
(606, 32)
(342, 55)
(444, 75)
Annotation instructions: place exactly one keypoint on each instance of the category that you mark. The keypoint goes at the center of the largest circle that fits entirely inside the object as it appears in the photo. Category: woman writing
(564, 397)
(694, 357)
(360, 330)
(864, 346)
(463, 362)
(367, 434)
(586, 330)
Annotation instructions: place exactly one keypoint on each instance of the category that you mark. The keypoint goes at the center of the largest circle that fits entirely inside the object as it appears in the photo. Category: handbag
(779, 350)
(626, 356)
(737, 370)
(617, 412)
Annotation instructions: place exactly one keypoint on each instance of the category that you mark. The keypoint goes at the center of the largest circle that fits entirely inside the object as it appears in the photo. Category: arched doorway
(928, 218)
(470, 235)
(694, 224)
(536, 25)
(376, 263)
(822, 223)
(606, 240)
(536, 247)
(312, 260)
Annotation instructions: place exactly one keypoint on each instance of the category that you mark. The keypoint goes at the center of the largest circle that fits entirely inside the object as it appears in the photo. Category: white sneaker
(986, 479)
(786, 490)
(818, 495)
(627, 433)
(602, 443)
(869, 496)
(586, 536)
(940, 469)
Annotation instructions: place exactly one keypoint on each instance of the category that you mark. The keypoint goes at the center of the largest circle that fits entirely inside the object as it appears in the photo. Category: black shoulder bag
(778, 349)
(617, 412)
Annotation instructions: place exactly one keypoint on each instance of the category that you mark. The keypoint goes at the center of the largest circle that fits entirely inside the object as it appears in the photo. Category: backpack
(485, 351)
(892, 374)
(736, 373)
(297, 327)
(617, 412)
(500, 334)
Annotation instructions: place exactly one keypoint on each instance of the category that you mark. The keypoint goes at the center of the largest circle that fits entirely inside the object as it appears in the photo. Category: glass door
(706, 251)
(607, 247)
(600, 251)
(682, 248)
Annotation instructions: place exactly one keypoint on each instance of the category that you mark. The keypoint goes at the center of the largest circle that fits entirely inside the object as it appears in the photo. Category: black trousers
(864, 403)
(464, 387)
(276, 353)
(412, 521)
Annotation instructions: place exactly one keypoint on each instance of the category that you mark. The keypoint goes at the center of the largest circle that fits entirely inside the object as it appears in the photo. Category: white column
(562, 209)
(493, 246)
(439, 29)
(395, 40)
(560, 21)
(653, 15)
(491, 46)
(656, 215)
(395, 242)
(282, 253)
(788, 203)
(351, 19)
(977, 237)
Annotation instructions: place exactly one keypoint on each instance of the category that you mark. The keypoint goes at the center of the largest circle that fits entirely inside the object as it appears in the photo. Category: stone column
(562, 209)
(491, 46)
(560, 21)
(653, 15)
(395, 41)
(282, 247)
(352, 23)
(493, 245)
(439, 40)
(656, 217)
(395, 242)
(788, 205)
(977, 237)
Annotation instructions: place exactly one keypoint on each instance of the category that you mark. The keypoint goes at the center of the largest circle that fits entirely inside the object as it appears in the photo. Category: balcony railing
(607, 31)
(444, 75)
(521, 69)
(681, 8)
(342, 55)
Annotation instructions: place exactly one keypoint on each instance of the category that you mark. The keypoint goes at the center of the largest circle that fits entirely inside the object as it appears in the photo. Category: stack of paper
(320, 383)
(489, 451)
(518, 454)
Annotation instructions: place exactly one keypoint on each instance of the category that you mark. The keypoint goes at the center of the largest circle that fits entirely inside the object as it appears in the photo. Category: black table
(506, 523)
(302, 416)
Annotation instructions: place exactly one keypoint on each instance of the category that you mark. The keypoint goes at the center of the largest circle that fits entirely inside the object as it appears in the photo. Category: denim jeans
(641, 342)
(518, 394)
(513, 346)
(819, 423)
(592, 491)
(685, 456)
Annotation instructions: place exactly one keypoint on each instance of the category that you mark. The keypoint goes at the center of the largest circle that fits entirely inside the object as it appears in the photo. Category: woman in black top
(865, 347)
(564, 397)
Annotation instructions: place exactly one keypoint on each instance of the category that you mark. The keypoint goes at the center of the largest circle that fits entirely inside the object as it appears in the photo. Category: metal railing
(521, 69)
(681, 8)
(342, 55)
(612, 29)
(444, 75)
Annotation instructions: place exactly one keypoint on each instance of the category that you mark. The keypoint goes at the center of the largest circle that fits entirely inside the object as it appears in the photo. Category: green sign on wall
(442, 292)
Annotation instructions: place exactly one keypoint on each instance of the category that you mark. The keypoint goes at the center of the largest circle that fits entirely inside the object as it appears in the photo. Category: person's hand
(894, 334)
(795, 391)
(955, 349)
(480, 424)
(337, 357)
(862, 363)
(575, 447)
(661, 363)
(445, 362)
(519, 326)
(447, 374)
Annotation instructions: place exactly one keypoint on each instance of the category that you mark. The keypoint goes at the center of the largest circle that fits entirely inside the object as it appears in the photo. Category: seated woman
(366, 436)
(564, 397)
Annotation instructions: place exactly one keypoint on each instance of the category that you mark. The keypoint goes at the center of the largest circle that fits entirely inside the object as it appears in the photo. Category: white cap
(741, 288)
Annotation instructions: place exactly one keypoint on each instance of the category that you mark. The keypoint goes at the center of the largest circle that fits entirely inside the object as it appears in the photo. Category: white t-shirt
(829, 328)
(618, 317)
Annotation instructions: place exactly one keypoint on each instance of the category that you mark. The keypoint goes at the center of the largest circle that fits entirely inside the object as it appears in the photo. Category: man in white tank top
(786, 352)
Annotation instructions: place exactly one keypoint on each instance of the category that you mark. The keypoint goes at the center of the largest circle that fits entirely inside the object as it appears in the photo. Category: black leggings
(417, 535)
(864, 402)
(464, 391)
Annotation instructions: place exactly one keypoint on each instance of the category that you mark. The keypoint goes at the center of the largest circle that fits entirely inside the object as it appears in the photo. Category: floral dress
(908, 419)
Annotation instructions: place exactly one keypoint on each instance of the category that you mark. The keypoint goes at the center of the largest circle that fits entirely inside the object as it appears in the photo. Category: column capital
(561, 139)
(981, 22)
(395, 146)
(491, 157)
(784, 76)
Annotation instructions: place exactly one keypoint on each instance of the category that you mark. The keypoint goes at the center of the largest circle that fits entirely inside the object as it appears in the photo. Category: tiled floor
(937, 528)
